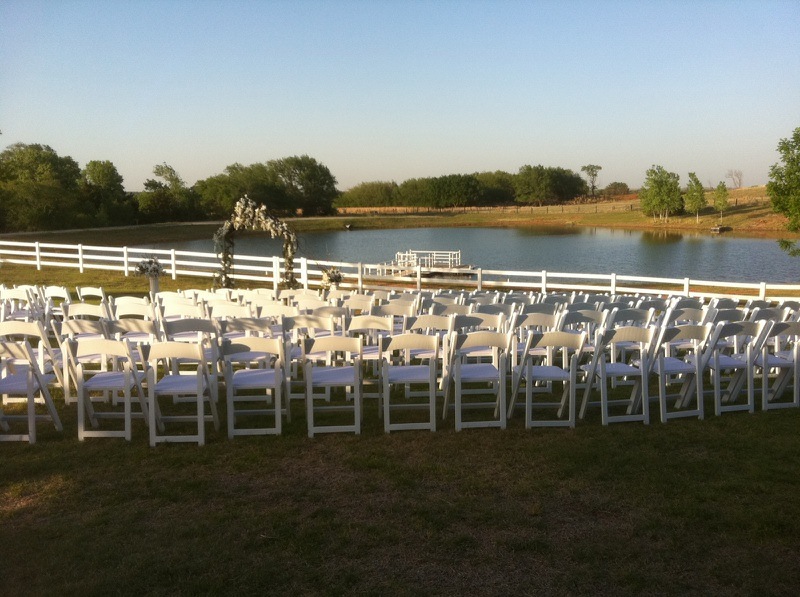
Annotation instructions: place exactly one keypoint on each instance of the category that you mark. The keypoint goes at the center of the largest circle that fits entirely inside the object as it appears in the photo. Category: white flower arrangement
(331, 276)
(150, 268)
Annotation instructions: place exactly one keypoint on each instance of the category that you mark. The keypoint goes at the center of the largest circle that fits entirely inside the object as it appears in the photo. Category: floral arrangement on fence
(331, 276)
(150, 268)
(249, 216)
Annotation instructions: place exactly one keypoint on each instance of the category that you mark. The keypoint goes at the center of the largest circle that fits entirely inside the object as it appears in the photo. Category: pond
(556, 249)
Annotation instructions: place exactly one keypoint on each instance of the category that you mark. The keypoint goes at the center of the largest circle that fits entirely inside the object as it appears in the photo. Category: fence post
(304, 272)
(80, 258)
(613, 283)
(762, 291)
(276, 272)
(38, 256)
(360, 277)
(480, 279)
(686, 286)
(544, 281)
(125, 260)
(419, 277)
(174, 264)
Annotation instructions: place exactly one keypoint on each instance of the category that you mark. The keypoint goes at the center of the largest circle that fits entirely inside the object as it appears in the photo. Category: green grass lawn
(691, 507)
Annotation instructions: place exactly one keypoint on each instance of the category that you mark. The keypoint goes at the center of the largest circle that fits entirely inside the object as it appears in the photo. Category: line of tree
(41, 190)
(539, 185)
(661, 195)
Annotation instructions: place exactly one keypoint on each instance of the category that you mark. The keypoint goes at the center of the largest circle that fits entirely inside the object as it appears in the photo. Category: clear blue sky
(391, 90)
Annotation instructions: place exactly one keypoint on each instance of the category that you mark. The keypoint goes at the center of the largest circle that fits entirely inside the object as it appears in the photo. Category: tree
(309, 185)
(721, 198)
(168, 200)
(455, 190)
(783, 187)
(498, 187)
(661, 194)
(615, 189)
(39, 188)
(736, 178)
(38, 164)
(104, 196)
(591, 173)
(219, 194)
(695, 198)
(541, 185)
(370, 194)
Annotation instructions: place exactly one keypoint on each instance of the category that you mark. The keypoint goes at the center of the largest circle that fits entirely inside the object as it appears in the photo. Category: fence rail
(267, 271)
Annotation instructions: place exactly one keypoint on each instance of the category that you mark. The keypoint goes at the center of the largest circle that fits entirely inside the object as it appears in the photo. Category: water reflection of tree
(661, 237)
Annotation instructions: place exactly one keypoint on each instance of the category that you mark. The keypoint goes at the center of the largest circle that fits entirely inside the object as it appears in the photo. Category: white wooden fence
(249, 270)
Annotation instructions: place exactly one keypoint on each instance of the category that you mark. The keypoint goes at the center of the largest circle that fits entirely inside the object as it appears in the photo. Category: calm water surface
(580, 250)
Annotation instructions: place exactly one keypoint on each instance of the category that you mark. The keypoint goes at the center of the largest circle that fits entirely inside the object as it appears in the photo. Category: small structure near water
(445, 264)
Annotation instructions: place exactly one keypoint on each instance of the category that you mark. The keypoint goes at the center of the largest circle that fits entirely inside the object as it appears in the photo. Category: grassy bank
(688, 508)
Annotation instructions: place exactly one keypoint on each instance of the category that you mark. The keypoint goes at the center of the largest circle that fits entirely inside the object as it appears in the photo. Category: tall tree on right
(695, 198)
(592, 171)
(721, 198)
(783, 187)
(661, 194)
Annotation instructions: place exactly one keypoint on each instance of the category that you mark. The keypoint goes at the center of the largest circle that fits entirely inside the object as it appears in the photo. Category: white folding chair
(398, 367)
(180, 371)
(733, 359)
(784, 360)
(563, 352)
(20, 377)
(466, 375)
(685, 366)
(603, 369)
(333, 362)
(119, 374)
(254, 375)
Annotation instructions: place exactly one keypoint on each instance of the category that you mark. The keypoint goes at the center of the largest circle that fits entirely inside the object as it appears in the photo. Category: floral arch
(249, 216)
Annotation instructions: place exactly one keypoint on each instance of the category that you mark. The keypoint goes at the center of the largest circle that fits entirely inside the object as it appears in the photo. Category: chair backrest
(772, 313)
(481, 338)
(75, 328)
(222, 309)
(247, 326)
(450, 309)
(369, 324)
(632, 316)
(91, 292)
(399, 309)
(307, 325)
(410, 341)
(479, 321)
(724, 303)
(430, 324)
(309, 303)
(178, 351)
(81, 310)
(729, 315)
(111, 350)
(683, 302)
(506, 309)
(20, 351)
(271, 308)
(130, 309)
(131, 328)
(189, 328)
(350, 346)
